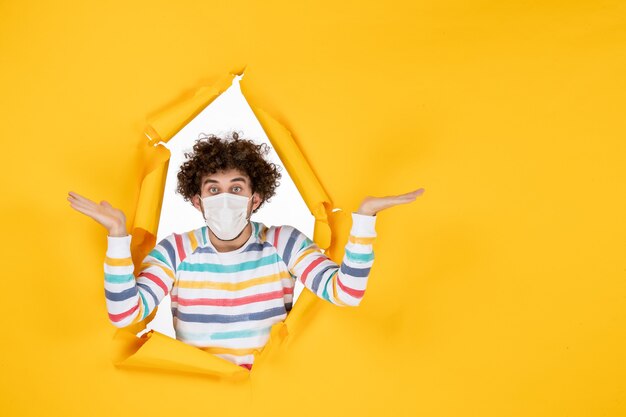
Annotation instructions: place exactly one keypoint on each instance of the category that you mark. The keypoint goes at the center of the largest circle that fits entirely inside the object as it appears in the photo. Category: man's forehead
(232, 175)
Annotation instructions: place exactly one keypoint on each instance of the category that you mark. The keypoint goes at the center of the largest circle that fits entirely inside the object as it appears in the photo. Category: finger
(410, 196)
(87, 207)
(83, 209)
(109, 209)
(403, 198)
(76, 195)
(406, 198)
(83, 203)
(79, 197)
(414, 193)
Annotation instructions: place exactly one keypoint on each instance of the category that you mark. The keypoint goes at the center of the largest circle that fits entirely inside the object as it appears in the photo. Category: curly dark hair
(212, 154)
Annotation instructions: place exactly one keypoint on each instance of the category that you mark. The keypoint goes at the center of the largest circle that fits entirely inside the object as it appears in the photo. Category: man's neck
(231, 245)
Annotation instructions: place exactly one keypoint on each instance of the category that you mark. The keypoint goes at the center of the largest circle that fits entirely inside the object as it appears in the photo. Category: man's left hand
(372, 205)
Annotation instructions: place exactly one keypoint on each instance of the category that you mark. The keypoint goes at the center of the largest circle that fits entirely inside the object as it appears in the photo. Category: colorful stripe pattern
(226, 302)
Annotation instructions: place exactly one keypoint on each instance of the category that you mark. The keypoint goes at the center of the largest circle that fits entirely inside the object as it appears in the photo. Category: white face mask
(226, 214)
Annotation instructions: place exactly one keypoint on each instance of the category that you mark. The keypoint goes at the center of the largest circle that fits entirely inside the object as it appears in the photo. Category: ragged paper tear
(158, 351)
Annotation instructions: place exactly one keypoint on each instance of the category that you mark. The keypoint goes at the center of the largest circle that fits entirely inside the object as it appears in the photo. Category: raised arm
(130, 299)
(342, 285)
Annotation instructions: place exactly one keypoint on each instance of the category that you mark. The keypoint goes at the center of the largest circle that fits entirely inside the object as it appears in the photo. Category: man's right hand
(104, 213)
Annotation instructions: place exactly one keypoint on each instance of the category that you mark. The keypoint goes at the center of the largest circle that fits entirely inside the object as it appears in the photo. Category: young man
(232, 279)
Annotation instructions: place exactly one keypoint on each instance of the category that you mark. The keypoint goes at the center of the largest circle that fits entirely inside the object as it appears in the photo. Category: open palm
(371, 205)
(111, 218)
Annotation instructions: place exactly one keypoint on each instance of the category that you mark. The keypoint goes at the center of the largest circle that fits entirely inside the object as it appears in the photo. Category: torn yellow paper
(157, 351)
(501, 293)
(300, 171)
(148, 210)
(153, 349)
(165, 124)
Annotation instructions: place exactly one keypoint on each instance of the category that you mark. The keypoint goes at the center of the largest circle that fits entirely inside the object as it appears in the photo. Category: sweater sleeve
(342, 285)
(130, 299)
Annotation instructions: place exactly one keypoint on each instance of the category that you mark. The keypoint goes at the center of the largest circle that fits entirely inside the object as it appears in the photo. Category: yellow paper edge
(155, 350)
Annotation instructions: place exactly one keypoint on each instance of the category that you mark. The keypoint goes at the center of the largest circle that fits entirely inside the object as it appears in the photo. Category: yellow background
(500, 292)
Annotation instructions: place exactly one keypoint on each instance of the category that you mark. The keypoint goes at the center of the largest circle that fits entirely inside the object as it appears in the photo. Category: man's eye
(212, 190)
(236, 189)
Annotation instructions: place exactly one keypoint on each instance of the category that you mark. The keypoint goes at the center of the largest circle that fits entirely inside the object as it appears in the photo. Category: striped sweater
(226, 302)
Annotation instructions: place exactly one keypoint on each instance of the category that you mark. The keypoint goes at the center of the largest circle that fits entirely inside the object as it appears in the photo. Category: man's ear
(256, 201)
(195, 200)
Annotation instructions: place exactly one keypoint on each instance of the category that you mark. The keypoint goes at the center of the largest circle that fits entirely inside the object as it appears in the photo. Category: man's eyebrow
(233, 180)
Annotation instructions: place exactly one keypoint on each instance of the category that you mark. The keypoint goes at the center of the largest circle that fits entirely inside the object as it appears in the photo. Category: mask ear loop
(201, 206)
(251, 208)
